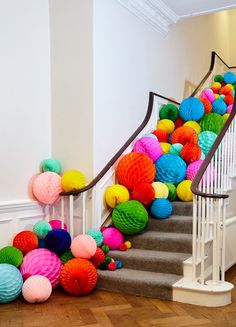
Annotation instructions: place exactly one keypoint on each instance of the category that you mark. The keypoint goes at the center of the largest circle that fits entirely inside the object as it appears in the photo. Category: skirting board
(230, 246)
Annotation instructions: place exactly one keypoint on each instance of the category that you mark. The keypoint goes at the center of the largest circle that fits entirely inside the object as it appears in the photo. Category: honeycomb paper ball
(169, 111)
(96, 235)
(41, 228)
(112, 237)
(176, 148)
(42, 262)
(25, 241)
(150, 135)
(73, 180)
(78, 276)
(116, 194)
(229, 108)
(135, 168)
(161, 135)
(83, 246)
(51, 165)
(66, 256)
(184, 192)
(191, 109)
(218, 78)
(231, 86)
(229, 78)
(193, 168)
(148, 146)
(10, 283)
(172, 191)
(212, 122)
(216, 85)
(194, 125)
(226, 116)
(130, 217)
(170, 168)
(57, 223)
(219, 107)
(179, 122)
(47, 187)
(207, 105)
(36, 289)
(161, 208)
(144, 193)
(190, 152)
(228, 99)
(166, 124)
(208, 94)
(58, 241)
(165, 147)
(98, 258)
(161, 190)
(184, 134)
(205, 140)
(11, 255)
(226, 90)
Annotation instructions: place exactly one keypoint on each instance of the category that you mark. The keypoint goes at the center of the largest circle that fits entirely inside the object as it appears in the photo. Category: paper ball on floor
(184, 192)
(10, 283)
(73, 180)
(166, 124)
(161, 190)
(41, 228)
(47, 187)
(78, 277)
(96, 235)
(212, 122)
(193, 168)
(112, 237)
(144, 193)
(36, 289)
(219, 107)
(51, 165)
(207, 105)
(176, 148)
(191, 109)
(229, 78)
(116, 194)
(42, 262)
(194, 125)
(11, 255)
(66, 256)
(169, 111)
(135, 168)
(205, 140)
(172, 191)
(161, 135)
(83, 246)
(130, 217)
(184, 134)
(148, 146)
(57, 241)
(170, 168)
(98, 258)
(57, 223)
(25, 241)
(161, 208)
(190, 152)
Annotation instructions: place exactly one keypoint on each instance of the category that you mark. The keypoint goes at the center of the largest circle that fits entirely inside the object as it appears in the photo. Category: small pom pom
(108, 259)
(118, 264)
(112, 266)
(128, 244)
(103, 266)
(103, 228)
(123, 247)
(105, 248)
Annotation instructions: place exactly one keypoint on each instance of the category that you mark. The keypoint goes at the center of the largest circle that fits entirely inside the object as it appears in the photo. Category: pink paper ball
(112, 237)
(36, 289)
(193, 168)
(148, 146)
(208, 94)
(47, 187)
(83, 246)
(56, 223)
(42, 262)
(229, 108)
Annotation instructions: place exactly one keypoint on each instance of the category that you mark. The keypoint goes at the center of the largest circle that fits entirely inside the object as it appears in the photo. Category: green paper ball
(218, 78)
(11, 255)
(96, 235)
(51, 165)
(130, 217)
(66, 256)
(212, 122)
(169, 111)
(108, 259)
(105, 248)
(172, 191)
(41, 229)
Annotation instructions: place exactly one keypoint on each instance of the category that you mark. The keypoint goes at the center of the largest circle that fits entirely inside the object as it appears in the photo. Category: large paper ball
(219, 107)
(169, 111)
(11, 255)
(116, 194)
(42, 262)
(161, 208)
(130, 217)
(10, 283)
(47, 187)
(78, 277)
(229, 78)
(25, 241)
(184, 192)
(144, 193)
(170, 168)
(73, 180)
(207, 105)
(83, 246)
(98, 257)
(96, 235)
(161, 190)
(135, 168)
(112, 237)
(190, 152)
(51, 165)
(148, 146)
(57, 241)
(205, 140)
(194, 125)
(172, 191)
(167, 125)
(191, 109)
(41, 228)
(212, 122)
(184, 134)
(36, 289)
(161, 135)
(57, 223)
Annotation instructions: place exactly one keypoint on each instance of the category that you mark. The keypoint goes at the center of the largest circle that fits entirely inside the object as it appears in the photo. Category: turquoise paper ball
(96, 235)
(205, 140)
(51, 165)
(11, 282)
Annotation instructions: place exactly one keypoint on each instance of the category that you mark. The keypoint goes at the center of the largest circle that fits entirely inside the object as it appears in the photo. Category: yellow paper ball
(166, 125)
(128, 244)
(194, 125)
(161, 190)
(217, 85)
(230, 86)
(216, 96)
(226, 116)
(165, 147)
(184, 192)
(72, 180)
(116, 194)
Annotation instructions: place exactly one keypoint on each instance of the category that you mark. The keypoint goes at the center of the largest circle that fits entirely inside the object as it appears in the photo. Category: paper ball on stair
(179, 122)
(130, 217)
(212, 122)
(219, 107)
(11, 255)
(167, 125)
(73, 180)
(205, 140)
(184, 192)
(25, 241)
(184, 134)
(57, 223)
(169, 111)
(98, 257)
(41, 228)
(112, 237)
(144, 193)
(191, 109)
(10, 283)
(193, 168)
(161, 135)
(208, 94)
(172, 191)
(207, 105)
(229, 78)
(36, 289)
(218, 78)
(161, 208)
(229, 108)
(51, 165)
(165, 147)
(148, 146)
(58, 241)
(96, 235)
(170, 168)
(83, 246)
(161, 190)
(190, 152)
(116, 194)
(194, 125)
(176, 149)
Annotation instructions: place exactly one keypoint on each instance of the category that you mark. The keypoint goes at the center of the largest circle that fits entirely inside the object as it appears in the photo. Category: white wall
(25, 94)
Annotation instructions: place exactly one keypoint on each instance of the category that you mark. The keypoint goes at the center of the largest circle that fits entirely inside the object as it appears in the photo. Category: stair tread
(162, 235)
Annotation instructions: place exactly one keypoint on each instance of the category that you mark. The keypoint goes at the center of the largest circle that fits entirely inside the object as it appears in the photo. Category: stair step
(177, 224)
(182, 208)
(156, 261)
(160, 241)
(137, 282)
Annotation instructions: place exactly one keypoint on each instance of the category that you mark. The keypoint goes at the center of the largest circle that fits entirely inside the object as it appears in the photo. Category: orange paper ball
(190, 152)
(229, 99)
(184, 134)
(161, 135)
(25, 241)
(207, 105)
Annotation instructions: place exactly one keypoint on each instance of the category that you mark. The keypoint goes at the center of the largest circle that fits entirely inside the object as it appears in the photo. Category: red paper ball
(161, 135)
(112, 266)
(123, 247)
(184, 134)
(25, 241)
(144, 193)
(226, 90)
(214, 89)
(98, 257)
(207, 105)
(229, 99)
(190, 152)
(179, 122)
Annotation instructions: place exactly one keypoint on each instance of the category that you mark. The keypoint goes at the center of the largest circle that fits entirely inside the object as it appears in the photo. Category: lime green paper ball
(172, 191)
(212, 122)
(41, 228)
(51, 165)
(66, 256)
(11, 255)
(169, 111)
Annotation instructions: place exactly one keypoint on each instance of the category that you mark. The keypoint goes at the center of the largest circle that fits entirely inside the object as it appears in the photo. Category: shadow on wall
(189, 87)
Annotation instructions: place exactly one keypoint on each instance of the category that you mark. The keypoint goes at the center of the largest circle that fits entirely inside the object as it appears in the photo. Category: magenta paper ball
(193, 168)
(208, 94)
(83, 246)
(112, 237)
(42, 262)
(56, 223)
(148, 146)
(47, 187)
(36, 289)
(229, 108)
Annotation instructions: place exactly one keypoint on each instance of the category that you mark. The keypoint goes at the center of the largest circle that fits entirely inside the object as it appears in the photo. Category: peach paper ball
(83, 246)
(36, 289)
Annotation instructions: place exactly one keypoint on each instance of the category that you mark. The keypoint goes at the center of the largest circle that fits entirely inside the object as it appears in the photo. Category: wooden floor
(107, 309)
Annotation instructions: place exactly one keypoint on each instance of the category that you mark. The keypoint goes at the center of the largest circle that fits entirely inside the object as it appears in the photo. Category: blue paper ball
(58, 241)
(11, 282)
(170, 168)
(96, 235)
(161, 208)
(206, 140)
(118, 264)
(191, 109)
(229, 78)
(219, 107)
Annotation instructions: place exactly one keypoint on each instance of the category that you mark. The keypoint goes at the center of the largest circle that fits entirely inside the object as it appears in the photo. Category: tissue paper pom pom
(47, 187)
(56, 223)
(206, 140)
(179, 122)
(161, 135)
(36, 289)
(96, 235)
(190, 152)
(176, 148)
(66, 256)
(105, 248)
(10, 283)
(118, 264)
(218, 78)
(161, 208)
(51, 165)
(130, 217)
(207, 105)
(41, 228)
(219, 107)
(42, 262)
(165, 147)
(148, 146)
(57, 241)
(135, 168)
(170, 168)
(25, 241)
(212, 122)
(98, 257)
(112, 237)
(169, 111)
(161, 190)
(194, 125)
(83, 246)
(78, 277)
(116, 194)
(208, 94)
(72, 180)
(184, 134)
(112, 266)
(128, 244)
(229, 108)
(229, 99)
(172, 191)
(144, 193)
(184, 192)
(103, 266)
(166, 124)
(11, 255)
(226, 116)
(229, 78)
(193, 168)
(191, 109)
